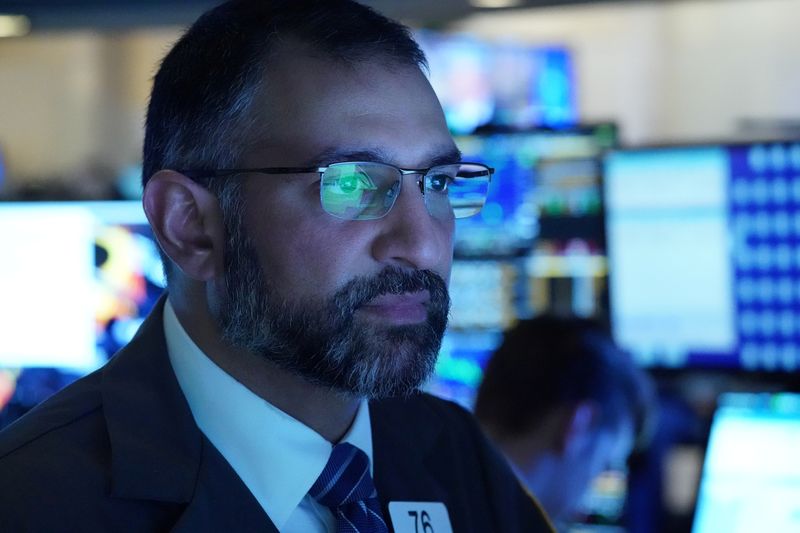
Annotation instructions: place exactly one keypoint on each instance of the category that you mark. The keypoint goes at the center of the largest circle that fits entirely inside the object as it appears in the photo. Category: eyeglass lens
(367, 191)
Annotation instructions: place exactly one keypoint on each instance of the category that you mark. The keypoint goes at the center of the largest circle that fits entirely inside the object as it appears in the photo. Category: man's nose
(410, 236)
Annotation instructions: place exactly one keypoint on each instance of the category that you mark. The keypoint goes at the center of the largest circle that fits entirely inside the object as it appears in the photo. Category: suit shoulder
(446, 410)
(424, 410)
(446, 407)
(55, 418)
(476, 462)
(452, 415)
(58, 452)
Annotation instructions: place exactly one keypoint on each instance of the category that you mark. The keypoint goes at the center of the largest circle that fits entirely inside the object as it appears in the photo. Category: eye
(438, 182)
(391, 192)
(349, 189)
(353, 183)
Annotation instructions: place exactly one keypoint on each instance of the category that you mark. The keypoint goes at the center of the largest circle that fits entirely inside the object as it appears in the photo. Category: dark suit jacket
(119, 451)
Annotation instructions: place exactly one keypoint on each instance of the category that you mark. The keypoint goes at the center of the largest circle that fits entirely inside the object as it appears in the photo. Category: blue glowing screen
(751, 477)
(704, 254)
(500, 84)
(534, 171)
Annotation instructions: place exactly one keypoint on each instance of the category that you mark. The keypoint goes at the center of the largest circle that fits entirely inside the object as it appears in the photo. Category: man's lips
(406, 308)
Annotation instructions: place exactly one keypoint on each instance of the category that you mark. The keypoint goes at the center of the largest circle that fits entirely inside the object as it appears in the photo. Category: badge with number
(419, 517)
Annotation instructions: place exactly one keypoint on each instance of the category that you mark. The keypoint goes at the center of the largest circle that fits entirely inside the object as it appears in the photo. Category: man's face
(359, 306)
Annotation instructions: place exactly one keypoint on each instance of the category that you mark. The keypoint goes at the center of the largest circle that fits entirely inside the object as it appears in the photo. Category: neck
(328, 412)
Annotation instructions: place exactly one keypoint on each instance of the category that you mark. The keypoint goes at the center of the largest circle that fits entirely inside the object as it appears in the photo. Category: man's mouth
(399, 309)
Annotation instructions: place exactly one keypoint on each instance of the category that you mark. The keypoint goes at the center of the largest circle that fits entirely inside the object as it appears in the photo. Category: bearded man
(302, 185)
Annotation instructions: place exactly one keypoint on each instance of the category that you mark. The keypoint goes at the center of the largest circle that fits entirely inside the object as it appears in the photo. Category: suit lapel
(157, 451)
(221, 501)
(403, 438)
(155, 444)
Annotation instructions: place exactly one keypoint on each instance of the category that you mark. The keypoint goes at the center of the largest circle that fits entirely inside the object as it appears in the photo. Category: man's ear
(577, 426)
(187, 222)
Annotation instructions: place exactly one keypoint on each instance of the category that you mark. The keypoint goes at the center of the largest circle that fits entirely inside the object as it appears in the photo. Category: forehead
(312, 104)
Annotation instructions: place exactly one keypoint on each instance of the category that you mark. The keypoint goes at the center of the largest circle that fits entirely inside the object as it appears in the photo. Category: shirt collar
(277, 457)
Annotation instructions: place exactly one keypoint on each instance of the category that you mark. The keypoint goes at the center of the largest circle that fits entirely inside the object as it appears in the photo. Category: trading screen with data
(704, 254)
(537, 245)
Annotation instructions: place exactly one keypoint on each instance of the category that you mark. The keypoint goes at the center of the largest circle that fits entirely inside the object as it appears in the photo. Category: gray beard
(323, 341)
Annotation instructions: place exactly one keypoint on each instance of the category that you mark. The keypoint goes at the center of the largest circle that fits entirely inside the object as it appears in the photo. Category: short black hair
(198, 111)
(549, 361)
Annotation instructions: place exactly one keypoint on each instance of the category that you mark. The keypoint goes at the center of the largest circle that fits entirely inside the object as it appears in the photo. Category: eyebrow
(336, 155)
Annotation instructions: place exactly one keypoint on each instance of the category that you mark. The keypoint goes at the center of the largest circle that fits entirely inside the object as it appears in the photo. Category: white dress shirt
(276, 456)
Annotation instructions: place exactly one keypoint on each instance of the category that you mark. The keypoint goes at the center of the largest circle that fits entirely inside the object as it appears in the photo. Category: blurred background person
(563, 403)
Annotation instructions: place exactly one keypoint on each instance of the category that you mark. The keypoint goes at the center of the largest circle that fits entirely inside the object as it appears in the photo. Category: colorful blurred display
(537, 246)
(500, 84)
(78, 279)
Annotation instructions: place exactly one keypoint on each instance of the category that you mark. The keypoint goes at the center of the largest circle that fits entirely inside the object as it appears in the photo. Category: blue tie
(346, 488)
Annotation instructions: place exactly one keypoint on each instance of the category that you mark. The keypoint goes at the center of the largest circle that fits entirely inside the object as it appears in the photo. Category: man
(306, 275)
(563, 403)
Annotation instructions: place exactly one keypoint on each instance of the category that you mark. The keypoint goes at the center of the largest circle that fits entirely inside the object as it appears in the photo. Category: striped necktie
(345, 487)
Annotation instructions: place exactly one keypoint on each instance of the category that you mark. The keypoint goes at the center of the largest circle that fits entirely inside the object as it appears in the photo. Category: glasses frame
(199, 174)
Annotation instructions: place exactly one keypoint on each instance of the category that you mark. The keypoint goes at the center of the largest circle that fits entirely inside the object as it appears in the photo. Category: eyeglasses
(363, 190)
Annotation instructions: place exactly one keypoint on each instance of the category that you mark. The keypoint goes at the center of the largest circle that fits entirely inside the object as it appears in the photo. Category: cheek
(447, 238)
(312, 259)
(286, 235)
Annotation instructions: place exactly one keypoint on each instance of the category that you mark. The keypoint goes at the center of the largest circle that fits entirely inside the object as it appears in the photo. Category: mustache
(391, 280)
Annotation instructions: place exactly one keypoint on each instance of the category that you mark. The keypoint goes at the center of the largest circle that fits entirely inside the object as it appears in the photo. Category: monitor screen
(483, 294)
(537, 246)
(703, 243)
(77, 279)
(500, 84)
(546, 188)
(751, 476)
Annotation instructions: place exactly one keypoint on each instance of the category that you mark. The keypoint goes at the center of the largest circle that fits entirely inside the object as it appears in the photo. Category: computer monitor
(703, 243)
(537, 246)
(500, 84)
(546, 188)
(751, 476)
(483, 294)
(77, 279)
